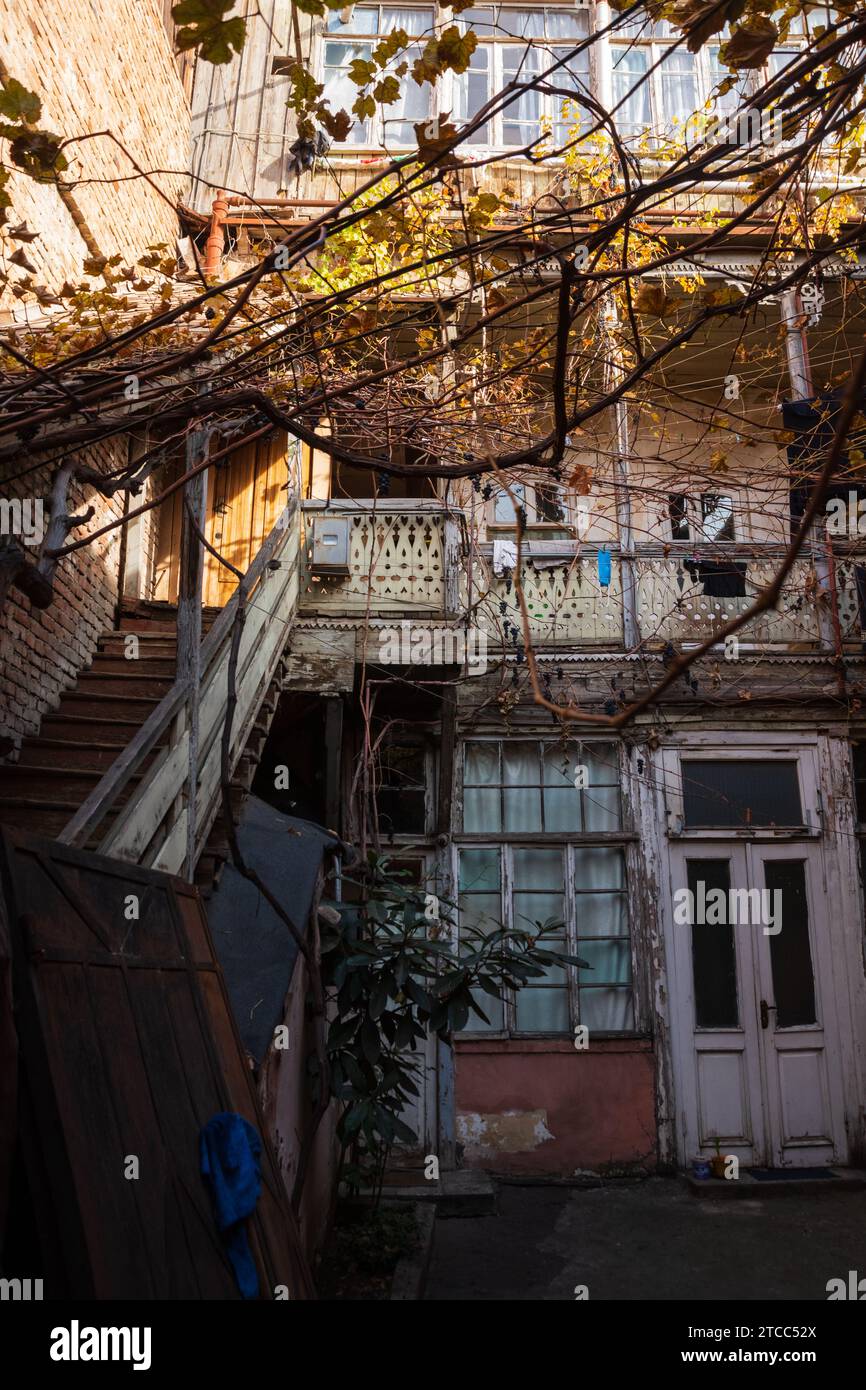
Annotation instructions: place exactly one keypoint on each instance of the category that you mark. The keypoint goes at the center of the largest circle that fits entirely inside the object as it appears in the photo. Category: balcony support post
(800, 377)
(622, 450)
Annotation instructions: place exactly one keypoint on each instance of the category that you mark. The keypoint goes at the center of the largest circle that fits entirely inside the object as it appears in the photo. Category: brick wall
(96, 64)
(100, 65)
(42, 651)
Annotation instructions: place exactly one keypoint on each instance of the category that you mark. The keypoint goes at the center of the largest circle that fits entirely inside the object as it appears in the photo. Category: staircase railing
(153, 828)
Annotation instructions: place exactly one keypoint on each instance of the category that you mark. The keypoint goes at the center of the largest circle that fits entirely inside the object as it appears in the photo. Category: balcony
(413, 560)
(395, 562)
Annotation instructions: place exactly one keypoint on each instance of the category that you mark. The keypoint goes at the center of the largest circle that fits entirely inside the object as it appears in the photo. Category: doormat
(789, 1174)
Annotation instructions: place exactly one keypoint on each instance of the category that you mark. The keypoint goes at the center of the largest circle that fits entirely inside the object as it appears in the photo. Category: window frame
(444, 96)
(505, 843)
(803, 754)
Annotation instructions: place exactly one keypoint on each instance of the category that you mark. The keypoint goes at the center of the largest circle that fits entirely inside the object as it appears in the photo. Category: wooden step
(143, 665)
(129, 684)
(96, 703)
(62, 753)
(60, 785)
(84, 728)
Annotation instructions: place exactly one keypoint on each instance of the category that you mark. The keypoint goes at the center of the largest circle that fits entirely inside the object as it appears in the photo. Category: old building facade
(396, 622)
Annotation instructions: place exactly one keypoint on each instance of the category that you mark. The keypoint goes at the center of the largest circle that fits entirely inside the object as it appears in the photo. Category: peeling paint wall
(542, 1107)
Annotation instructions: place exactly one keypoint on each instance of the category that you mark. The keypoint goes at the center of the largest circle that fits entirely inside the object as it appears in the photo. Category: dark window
(714, 961)
(678, 512)
(549, 503)
(741, 793)
(401, 797)
(790, 953)
(720, 578)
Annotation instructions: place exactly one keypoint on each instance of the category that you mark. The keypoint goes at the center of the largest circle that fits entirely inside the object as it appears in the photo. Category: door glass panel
(714, 961)
(790, 952)
(480, 906)
(741, 793)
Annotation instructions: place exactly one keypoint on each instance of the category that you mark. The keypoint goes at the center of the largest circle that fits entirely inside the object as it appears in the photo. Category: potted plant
(717, 1164)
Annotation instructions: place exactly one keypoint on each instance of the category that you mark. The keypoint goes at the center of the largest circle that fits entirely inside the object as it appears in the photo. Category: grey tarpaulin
(255, 949)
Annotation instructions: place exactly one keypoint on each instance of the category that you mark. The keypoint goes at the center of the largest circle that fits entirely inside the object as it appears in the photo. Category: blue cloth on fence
(230, 1151)
(604, 567)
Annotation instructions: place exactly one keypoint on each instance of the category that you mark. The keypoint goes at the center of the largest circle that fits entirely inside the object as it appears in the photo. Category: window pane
(365, 20)
(790, 952)
(479, 870)
(602, 762)
(472, 90)
(741, 793)
(601, 914)
(413, 20)
(413, 105)
(717, 513)
(481, 810)
(503, 507)
(569, 117)
(481, 19)
(560, 764)
(521, 116)
(598, 868)
(522, 809)
(562, 810)
(340, 92)
(533, 908)
(606, 1010)
(538, 869)
(601, 808)
(482, 764)
(520, 24)
(629, 66)
(678, 88)
(567, 24)
(610, 961)
(713, 956)
(543, 1011)
(520, 764)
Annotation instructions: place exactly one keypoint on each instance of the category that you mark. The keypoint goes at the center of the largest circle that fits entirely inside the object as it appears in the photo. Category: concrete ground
(648, 1240)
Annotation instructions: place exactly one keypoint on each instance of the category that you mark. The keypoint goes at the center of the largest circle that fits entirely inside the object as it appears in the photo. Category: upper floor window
(366, 25)
(659, 86)
(514, 45)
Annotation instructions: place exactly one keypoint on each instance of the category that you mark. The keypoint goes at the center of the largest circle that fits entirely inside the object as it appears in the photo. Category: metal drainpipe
(213, 250)
(800, 374)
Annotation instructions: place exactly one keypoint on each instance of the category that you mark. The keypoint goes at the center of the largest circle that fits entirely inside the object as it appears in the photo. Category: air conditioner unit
(329, 553)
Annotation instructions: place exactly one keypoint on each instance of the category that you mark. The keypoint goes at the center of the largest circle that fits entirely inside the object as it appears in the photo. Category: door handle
(765, 1013)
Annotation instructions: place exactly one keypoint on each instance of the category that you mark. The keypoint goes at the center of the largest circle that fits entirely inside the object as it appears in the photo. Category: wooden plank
(126, 1055)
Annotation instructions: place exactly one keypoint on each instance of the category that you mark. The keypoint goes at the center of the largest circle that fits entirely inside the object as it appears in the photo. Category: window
(517, 788)
(680, 87)
(741, 793)
(544, 504)
(393, 124)
(513, 45)
(401, 796)
(709, 517)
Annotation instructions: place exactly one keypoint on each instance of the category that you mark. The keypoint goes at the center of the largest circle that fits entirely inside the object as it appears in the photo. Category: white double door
(754, 1033)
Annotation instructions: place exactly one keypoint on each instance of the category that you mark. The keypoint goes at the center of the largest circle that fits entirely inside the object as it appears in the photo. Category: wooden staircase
(96, 719)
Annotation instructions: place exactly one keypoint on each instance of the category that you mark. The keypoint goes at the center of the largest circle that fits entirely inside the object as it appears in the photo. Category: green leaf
(18, 103)
(205, 28)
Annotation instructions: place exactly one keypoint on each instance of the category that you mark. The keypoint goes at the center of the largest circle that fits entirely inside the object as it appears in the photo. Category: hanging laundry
(504, 556)
(604, 567)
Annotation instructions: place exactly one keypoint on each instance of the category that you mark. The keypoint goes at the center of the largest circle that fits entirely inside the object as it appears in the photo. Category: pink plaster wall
(543, 1107)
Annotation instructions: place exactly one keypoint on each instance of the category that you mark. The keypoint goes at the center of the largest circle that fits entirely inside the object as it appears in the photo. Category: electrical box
(330, 548)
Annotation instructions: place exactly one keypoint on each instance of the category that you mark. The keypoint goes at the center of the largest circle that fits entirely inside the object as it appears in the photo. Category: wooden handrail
(104, 795)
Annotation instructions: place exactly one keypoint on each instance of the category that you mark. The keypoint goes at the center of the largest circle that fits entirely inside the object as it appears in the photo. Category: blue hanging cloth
(604, 567)
(230, 1151)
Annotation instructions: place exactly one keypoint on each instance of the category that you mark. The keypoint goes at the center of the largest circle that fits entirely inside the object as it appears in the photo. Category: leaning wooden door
(128, 1047)
(796, 1013)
